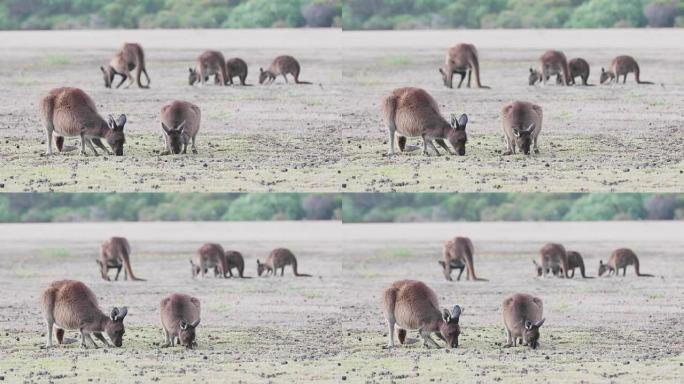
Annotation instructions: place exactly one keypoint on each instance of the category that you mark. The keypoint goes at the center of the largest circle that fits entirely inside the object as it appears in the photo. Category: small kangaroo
(578, 68)
(458, 252)
(236, 67)
(413, 112)
(129, 57)
(71, 305)
(621, 258)
(551, 63)
(278, 259)
(210, 255)
(521, 122)
(522, 317)
(461, 59)
(235, 260)
(180, 316)
(553, 256)
(412, 305)
(281, 65)
(180, 122)
(114, 254)
(574, 261)
(209, 63)
(621, 66)
(70, 112)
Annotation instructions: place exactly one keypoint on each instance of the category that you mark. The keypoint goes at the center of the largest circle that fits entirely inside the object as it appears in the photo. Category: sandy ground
(258, 138)
(603, 138)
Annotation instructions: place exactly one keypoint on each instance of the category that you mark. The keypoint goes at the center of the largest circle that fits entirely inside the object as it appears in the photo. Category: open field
(252, 330)
(606, 330)
(603, 138)
(259, 138)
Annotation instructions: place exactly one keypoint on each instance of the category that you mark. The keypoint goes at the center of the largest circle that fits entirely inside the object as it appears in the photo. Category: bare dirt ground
(602, 138)
(259, 138)
(603, 330)
(252, 330)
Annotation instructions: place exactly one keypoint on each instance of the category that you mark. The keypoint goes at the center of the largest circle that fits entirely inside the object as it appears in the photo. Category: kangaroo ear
(446, 315)
(441, 71)
(528, 325)
(463, 121)
(258, 262)
(540, 323)
(183, 325)
(191, 70)
(121, 121)
(111, 122)
(454, 120)
(531, 70)
(103, 70)
(603, 70)
(181, 126)
(196, 323)
(456, 313)
(531, 128)
(98, 262)
(261, 70)
(118, 314)
(516, 132)
(600, 262)
(442, 263)
(123, 311)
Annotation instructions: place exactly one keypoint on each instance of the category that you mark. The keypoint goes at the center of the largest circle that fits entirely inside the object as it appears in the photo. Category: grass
(397, 60)
(56, 60)
(55, 253)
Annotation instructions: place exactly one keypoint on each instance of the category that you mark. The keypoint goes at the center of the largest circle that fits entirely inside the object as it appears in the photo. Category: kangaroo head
(445, 77)
(107, 75)
(603, 268)
(523, 138)
(186, 335)
(115, 327)
(532, 333)
(103, 269)
(457, 134)
(534, 77)
(195, 268)
(193, 76)
(263, 75)
(450, 329)
(261, 267)
(115, 134)
(174, 137)
(538, 268)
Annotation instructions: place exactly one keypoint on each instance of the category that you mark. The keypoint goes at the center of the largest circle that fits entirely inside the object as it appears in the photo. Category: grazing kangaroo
(621, 66)
(114, 254)
(522, 317)
(574, 261)
(278, 259)
(180, 122)
(209, 63)
(521, 122)
(458, 252)
(71, 305)
(281, 65)
(180, 316)
(412, 305)
(70, 112)
(210, 255)
(236, 67)
(235, 260)
(621, 258)
(129, 57)
(551, 63)
(461, 59)
(413, 112)
(553, 255)
(578, 68)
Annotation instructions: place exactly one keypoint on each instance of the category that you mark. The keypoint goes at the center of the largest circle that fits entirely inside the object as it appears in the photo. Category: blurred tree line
(424, 14)
(66, 207)
(399, 207)
(79, 14)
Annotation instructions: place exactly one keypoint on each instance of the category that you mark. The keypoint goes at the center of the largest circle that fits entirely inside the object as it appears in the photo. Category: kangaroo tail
(389, 111)
(127, 264)
(636, 75)
(636, 269)
(475, 63)
(294, 269)
(140, 68)
(302, 82)
(469, 262)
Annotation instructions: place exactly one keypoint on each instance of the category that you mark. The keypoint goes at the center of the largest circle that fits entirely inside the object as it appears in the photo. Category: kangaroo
(70, 112)
(461, 59)
(554, 256)
(210, 255)
(413, 112)
(235, 260)
(522, 317)
(621, 258)
(621, 66)
(180, 122)
(281, 65)
(236, 67)
(412, 305)
(114, 254)
(129, 57)
(279, 258)
(71, 305)
(458, 252)
(574, 261)
(521, 122)
(180, 316)
(209, 63)
(551, 63)
(578, 68)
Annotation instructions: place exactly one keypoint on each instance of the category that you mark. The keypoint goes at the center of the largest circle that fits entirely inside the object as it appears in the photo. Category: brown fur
(458, 252)
(621, 258)
(180, 122)
(461, 59)
(413, 112)
(522, 317)
(552, 256)
(235, 260)
(114, 254)
(236, 67)
(578, 68)
(180, 316)
(209, 256)
(521, 122)
(71, 305)
(574, 261)
(278, 259)
(209, 63)
(411, 304)
(70, 112)
(129, 57)
(281, 65)
(622, 66)
(551, 63)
